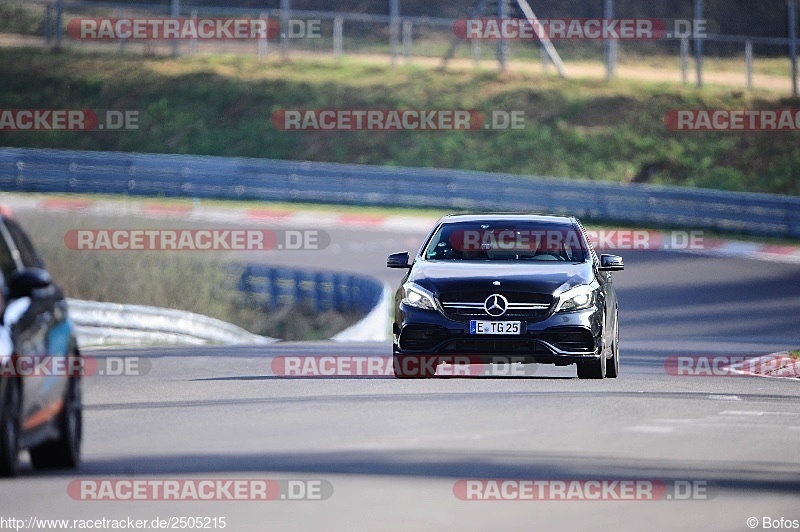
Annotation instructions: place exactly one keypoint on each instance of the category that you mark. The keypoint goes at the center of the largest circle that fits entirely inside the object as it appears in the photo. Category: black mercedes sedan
(40, 394)
(491, 286)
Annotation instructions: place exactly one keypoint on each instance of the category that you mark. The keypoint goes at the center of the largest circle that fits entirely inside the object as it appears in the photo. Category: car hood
(549, 278)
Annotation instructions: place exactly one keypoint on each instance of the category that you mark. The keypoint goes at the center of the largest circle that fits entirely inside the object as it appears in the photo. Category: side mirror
(24, 282)
(611, 263)
(398, 260)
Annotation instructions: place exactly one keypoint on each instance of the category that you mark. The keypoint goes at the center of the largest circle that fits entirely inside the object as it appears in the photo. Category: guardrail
(271, 287)
(266, 288)
(100, 324)
(32, 170)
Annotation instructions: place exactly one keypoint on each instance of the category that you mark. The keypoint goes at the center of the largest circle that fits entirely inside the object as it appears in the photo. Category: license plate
(495, 327)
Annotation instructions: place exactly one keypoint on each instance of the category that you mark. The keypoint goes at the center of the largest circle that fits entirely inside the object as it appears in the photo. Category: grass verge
(222, 105)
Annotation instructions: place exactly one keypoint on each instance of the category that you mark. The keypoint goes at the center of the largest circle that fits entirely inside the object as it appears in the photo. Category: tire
(65, 452)
(612, 369)
(593, 369)
(400, 368)
(9, 429)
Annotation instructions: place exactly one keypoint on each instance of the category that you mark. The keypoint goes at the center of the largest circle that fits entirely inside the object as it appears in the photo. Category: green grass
(204, 283)
(221, 105)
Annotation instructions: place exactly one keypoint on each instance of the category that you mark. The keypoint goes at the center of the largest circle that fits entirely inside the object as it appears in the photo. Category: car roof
(508, 216)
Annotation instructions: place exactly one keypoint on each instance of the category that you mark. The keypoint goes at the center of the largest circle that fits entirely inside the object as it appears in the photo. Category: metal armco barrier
(270, 287)
(31, 170)
(115, 324)
(265, 287)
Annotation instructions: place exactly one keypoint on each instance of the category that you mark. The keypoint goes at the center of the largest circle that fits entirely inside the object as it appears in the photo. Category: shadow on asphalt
(452, 464)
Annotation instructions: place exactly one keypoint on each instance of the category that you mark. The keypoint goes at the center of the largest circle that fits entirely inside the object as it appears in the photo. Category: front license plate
(495, 327)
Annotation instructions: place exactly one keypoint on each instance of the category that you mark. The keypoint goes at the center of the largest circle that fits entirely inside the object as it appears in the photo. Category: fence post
(176, 13)
(748, 62)
(59, 15)
(286, 12)
(684, 60)
(48, 13)
(610, 44)
(408, 31)
(263, 42)
(338, 36)
(698, 43)
(502, 45)
(394, 29)
(475, 50)
(193, 45)
(544, 59)
(793, 43)
(121, 14)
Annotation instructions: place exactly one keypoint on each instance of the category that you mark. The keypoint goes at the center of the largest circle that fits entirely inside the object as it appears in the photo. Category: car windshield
(506, 241)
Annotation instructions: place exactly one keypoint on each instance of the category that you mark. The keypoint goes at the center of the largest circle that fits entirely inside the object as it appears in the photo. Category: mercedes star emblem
(495, 305)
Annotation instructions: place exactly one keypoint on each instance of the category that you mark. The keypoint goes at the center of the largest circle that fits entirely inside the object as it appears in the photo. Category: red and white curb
(286, 217)
(776, 365)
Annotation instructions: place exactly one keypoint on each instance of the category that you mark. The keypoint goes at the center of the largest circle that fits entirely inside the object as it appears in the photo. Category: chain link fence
(408, 31)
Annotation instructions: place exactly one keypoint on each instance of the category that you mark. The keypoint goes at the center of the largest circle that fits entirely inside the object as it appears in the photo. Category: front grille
(528, 306)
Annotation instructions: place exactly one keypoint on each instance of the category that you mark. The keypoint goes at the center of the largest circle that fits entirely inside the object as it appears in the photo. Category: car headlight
(416, 296)
(576, 298)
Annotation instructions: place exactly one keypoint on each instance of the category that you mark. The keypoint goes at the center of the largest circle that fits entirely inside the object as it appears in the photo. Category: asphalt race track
(394, 450)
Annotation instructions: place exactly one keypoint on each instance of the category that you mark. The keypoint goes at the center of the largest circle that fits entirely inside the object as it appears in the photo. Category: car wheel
(9, 429)
(612, 370)
(594, 369)
(65, 452)
(413, 366)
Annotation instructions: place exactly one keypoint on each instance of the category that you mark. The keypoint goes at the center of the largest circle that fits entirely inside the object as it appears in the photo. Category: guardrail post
(325, 291)
(338, 36)
(748, 63)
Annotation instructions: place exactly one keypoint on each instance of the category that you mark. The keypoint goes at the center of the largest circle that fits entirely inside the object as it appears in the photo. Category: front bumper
(562, 338)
